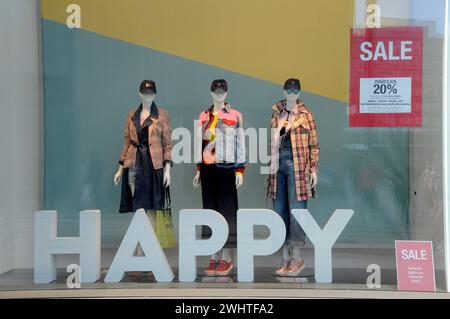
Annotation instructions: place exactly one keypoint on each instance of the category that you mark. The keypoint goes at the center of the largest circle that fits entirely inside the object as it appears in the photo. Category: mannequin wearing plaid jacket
(293, 171)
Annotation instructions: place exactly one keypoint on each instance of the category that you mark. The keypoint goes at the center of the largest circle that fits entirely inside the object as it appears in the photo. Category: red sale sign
(415, 265)
(386, 77)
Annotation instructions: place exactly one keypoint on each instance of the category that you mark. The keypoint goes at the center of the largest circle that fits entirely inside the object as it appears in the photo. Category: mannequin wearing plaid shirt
(293, 172)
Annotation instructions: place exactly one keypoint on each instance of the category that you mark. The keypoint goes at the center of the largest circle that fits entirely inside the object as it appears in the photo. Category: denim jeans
(286, 199)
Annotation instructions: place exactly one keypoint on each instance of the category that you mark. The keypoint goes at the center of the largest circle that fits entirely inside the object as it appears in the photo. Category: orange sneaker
(211, 270)
(224, 268)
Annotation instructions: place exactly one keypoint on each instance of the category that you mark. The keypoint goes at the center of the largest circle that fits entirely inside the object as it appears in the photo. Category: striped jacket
(305, 148)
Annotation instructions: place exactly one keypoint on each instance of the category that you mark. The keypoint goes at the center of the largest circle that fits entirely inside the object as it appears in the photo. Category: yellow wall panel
(267, 39)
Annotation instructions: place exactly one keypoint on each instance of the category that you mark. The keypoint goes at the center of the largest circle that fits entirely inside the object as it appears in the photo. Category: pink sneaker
(295, 267)
(283, 268)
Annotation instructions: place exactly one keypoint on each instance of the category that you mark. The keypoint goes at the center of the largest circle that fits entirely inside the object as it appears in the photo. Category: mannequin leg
(132, 180)
(215, 256)
(281, 206)
(296, 263)
(286, 254)
(296, 251)
(227, 205)
(132, 186)
(226, 254)
(297, 236)
(209, 186)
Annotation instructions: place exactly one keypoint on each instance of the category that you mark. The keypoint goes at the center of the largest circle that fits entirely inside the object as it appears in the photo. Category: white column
(20, 130)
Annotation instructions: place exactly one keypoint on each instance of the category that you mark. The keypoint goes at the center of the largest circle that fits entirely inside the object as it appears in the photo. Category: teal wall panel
(91, 82)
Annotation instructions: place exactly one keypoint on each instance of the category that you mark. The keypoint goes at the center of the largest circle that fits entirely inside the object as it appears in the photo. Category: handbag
(164, 224)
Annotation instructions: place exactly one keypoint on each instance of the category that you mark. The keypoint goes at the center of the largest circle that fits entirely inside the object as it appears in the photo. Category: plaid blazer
(305, 148)
(160, 138)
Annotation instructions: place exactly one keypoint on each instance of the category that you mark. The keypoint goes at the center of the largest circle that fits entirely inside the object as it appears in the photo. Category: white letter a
(140, 232)
(74, 19)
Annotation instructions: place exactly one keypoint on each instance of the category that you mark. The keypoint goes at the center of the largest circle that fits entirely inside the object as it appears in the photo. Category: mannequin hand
(266, 181)
(196, 182)
(166, 178)
(118, 175)
(313, 179)
(239, 180)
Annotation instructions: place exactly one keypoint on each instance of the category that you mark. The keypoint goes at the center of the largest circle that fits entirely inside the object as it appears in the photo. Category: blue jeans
(286, 199)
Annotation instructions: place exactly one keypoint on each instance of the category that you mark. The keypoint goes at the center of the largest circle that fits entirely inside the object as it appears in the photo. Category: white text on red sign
(414, 254)
(390, 51)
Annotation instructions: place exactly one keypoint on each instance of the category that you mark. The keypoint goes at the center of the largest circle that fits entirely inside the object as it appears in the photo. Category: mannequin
(294, 170)
(145, 175)
(147, 100)
(215, 122)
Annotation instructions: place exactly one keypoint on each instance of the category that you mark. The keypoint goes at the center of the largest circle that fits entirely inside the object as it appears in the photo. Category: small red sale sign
(415, 265)
(386, 77)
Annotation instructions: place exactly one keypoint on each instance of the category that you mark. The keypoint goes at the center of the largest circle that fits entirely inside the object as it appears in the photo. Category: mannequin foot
(295, 267)
(211, 270)
(224, 267)
(283, 268)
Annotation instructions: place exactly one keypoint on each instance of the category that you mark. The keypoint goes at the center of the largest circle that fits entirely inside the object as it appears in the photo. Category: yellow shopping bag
(164, 224)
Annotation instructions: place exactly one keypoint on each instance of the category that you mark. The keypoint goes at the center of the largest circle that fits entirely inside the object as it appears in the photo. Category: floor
(264, 278)
(23, 278)
(349, 280)
(19, 283)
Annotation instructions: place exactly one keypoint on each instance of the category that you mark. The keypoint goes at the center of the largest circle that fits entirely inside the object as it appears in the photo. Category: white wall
(20, 130)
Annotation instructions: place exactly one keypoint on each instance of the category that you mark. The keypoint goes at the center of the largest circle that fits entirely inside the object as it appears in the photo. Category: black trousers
(219, 193)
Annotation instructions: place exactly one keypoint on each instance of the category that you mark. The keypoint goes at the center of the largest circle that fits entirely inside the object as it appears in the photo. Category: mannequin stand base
(301, 275)
(140, 274)
(231, 274)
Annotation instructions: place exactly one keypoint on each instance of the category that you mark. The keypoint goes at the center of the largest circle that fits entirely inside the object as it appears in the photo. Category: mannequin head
(147, 98)
(219, 90)
(147, 92)
(292, 88)
(219, 96)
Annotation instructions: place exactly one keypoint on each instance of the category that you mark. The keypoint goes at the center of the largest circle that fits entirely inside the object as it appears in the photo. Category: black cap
(147, 87)
(219, 84)
(292, 84)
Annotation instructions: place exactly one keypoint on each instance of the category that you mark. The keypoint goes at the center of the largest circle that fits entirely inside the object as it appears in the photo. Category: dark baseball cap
(219, 84)
(147, 87)
(292, 84)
